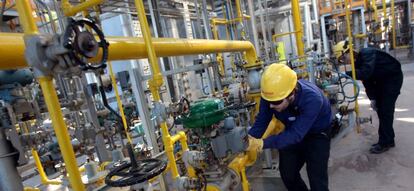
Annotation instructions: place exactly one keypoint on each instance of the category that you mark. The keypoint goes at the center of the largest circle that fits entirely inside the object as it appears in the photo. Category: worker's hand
(373, 105)
(255, 144)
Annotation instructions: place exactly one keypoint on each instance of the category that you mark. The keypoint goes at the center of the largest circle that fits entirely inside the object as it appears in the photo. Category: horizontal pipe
(70, 10)
(276, 36)
(128, 48)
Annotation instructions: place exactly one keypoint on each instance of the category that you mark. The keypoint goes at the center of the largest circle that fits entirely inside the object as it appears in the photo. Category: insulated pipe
(351, 52)
(52, 102)
(128, 48)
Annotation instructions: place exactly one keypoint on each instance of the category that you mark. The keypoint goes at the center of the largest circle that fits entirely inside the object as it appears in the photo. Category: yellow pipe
(351, 52)
(239, 165)
(297, 23)
(43, 177)
(127, 48)
(70, 10)
(119, 102)
(218, 21)
(238, 7)
(384, 9)
(26, 17)
(219, 56)
(52, 102)
(361, 36)
(184, 145)
(31, 189)
(155, 84)
(103, 165)
(276, 36)
(157, 80)
(374, 6)
(61, 132)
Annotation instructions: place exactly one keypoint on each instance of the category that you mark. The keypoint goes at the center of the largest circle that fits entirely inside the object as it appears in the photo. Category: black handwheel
(83, 44)
(130, 175)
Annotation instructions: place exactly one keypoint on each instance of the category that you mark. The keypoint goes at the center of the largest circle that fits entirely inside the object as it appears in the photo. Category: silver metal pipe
(253, 23)
(269, 32)
(10, 179)
(324, 37)
(263, 31)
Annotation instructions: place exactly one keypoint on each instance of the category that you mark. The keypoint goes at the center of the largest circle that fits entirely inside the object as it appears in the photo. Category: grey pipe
(10, 179)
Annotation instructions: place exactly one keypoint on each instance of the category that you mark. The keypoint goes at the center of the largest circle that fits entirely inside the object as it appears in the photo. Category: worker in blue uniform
(382, 77)
(305, 111)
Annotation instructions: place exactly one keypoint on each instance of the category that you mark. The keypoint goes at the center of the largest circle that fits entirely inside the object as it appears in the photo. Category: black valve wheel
(128, 174)
(83, 44)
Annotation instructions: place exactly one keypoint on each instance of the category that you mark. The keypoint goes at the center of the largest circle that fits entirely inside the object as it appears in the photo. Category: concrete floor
(353, 168)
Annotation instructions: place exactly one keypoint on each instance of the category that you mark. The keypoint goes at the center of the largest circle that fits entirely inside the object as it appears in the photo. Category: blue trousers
(312, 151)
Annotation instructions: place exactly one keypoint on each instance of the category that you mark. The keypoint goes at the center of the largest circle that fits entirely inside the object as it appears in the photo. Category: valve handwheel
(83, 44)
(134, 172)
(129, 175)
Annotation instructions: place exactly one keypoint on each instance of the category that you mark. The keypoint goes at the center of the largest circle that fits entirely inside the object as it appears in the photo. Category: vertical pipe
(269, 33)
(315, 11)
(26, 18)
(43, 178)
(206, 20)
(52, 103)
(156, 19)
(308, 31)
(394, 38)
(363, 26)
(324, 37)
(263, 31)
(351, 52)
(239, 12)
(119, 102)
(155, 83)
(157, 80)
(61, 131)
(297, 22)
(355, 18)
(250, 5)
(9, 176)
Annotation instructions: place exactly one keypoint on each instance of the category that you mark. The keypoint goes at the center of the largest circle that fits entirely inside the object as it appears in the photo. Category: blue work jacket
(310, 112)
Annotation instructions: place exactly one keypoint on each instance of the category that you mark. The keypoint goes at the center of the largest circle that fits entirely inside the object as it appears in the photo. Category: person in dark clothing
(382, 78)
(306, 114)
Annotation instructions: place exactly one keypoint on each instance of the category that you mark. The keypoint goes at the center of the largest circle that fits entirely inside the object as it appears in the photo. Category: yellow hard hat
(340, 48)
(277, 82)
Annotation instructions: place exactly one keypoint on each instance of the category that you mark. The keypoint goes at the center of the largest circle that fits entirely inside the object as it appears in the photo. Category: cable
(353, 82)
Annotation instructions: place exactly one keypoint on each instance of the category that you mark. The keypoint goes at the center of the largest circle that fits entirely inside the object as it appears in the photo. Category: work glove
(373, 105)
(274, 128)
(255, 144)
